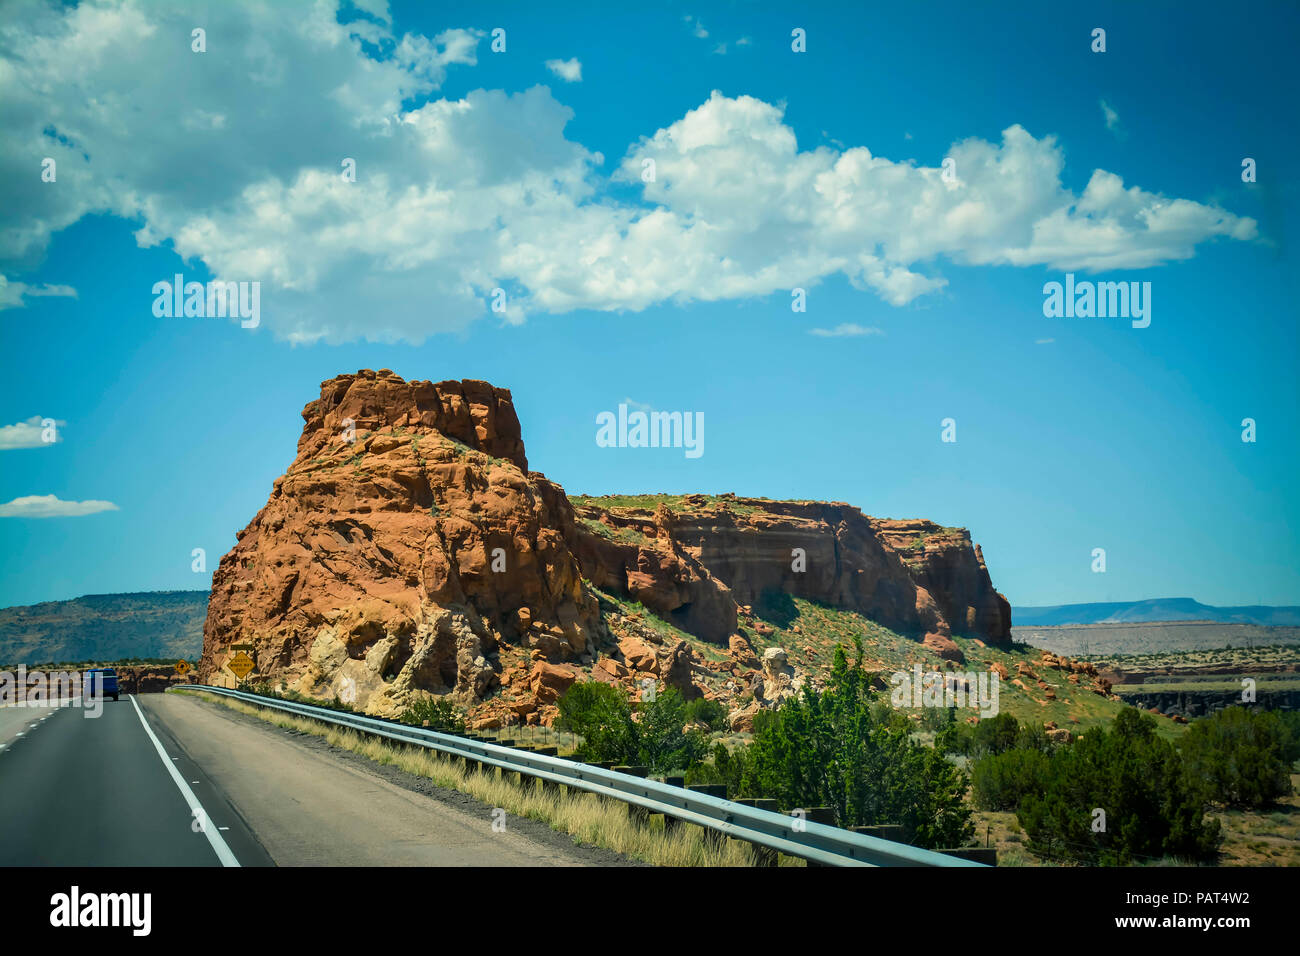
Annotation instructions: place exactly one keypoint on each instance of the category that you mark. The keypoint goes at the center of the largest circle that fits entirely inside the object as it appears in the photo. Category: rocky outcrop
(951, 568)
(696, 562)
(404, 543)
(1192, 703)
(149, 678)
(408, 551)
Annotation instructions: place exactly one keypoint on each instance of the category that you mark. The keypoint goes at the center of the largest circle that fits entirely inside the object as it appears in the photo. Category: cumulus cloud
(30, 433)
(14, 295)
(49, 506)
(454, 198)
(570, 71)
(846, 329)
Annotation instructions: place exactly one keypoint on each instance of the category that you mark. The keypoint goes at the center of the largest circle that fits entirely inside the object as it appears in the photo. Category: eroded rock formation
(408, 551)
(696, 563)
(404, 543)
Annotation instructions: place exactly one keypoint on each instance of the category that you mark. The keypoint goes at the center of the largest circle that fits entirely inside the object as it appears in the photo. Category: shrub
(1000, 781)
(654, 735)
(844, 747)
(602, 716)
(1240, 757)
(662, 741)
(440, 712)
(709, 713)
(994, 735)
(726, 767)
(1152, 809)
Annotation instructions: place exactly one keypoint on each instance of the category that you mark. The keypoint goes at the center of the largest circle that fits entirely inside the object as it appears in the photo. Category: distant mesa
(1154, 610)
(104, 627)
(409, 551)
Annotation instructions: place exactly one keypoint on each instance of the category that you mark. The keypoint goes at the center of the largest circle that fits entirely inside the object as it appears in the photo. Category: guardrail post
(977, 854)
(824, 815)
(527, 780)
(670, 822)
(887, 831)
(711, 836)
(503, 773)
(548, 786)
(709, 789)
(763, 855)
(639, 814)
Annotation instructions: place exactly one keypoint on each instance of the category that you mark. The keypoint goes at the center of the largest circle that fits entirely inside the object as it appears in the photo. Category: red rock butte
(408, 551)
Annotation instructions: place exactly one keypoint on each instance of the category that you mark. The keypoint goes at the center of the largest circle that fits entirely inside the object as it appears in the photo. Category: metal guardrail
(815, 842)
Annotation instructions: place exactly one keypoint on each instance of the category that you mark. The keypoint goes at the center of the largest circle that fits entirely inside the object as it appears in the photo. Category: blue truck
(100, 682)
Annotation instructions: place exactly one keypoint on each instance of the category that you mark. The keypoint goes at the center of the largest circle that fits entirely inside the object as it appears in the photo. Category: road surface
(130, 787)
(76, 791)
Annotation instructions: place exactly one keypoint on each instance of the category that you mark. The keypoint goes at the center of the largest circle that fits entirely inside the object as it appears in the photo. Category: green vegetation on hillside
(165, 625)
(845, 747)
(658, 737)
(841, 747)
(681, 503)
(1120, 794)
(811, 632)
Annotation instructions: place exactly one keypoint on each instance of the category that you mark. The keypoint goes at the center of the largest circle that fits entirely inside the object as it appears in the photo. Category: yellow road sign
(182, 667)
(240, 665)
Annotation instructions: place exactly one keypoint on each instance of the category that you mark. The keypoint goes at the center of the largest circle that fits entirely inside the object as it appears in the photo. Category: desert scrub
(436, 713)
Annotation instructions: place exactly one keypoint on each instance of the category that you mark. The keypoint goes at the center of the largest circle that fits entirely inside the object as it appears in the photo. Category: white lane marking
(218, 844)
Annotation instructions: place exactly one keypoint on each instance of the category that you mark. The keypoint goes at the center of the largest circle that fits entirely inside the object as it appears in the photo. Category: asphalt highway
(174, 780)
(113, 790)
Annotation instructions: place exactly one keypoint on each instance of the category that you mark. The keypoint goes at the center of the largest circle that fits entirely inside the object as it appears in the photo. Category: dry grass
(1266, 837)
(586, 817)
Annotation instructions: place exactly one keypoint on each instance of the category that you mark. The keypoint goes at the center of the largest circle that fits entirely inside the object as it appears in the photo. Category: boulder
(548, 682)
(639, 655)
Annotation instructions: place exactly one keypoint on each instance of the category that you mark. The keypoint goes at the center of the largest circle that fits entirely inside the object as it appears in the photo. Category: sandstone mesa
(424, 558)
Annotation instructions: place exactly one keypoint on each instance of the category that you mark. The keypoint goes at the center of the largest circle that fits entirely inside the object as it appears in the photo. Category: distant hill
(1155, 609)
(150, 624)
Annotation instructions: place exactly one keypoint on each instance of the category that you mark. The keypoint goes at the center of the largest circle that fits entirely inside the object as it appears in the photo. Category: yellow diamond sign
(182, 667)
(240, 665)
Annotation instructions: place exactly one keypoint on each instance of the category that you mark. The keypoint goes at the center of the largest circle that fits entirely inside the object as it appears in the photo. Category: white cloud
(696, 27)
(570, 71)
(14, 295)
(48, 506)
(29, 434)
(456, 197)
(1044, 341)
(1111, 117)
(846, 329)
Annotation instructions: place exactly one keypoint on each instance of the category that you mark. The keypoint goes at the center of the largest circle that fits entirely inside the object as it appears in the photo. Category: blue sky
(1072, 433)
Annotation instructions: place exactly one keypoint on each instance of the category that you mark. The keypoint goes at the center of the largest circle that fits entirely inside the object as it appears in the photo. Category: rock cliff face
(951, 567)
(696, 562)
(407, 551)
(404, 543)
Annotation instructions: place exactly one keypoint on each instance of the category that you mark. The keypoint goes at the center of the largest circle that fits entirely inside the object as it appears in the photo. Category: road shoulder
(314, 804)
